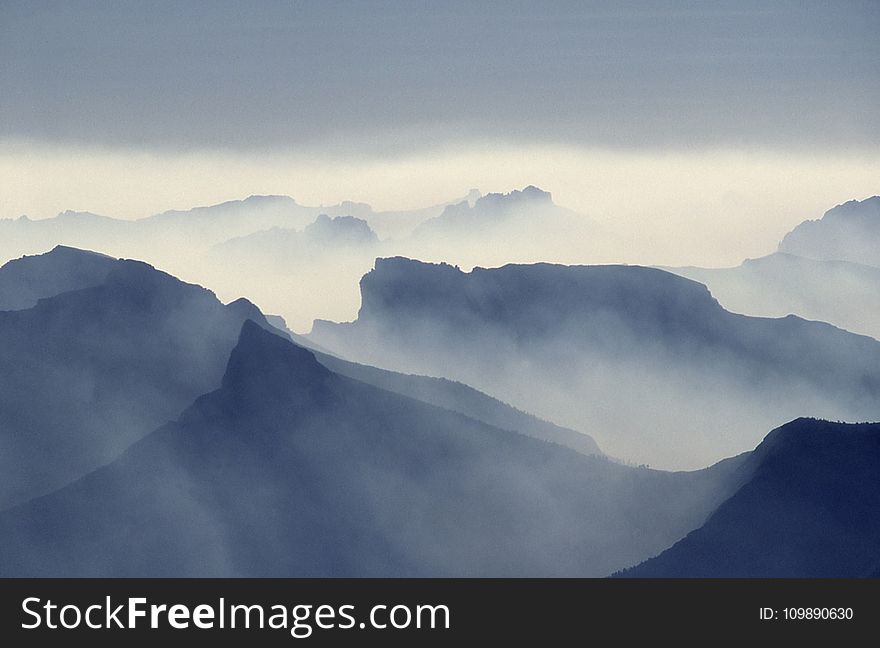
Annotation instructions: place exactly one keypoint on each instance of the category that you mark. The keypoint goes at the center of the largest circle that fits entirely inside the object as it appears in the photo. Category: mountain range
(198, 228)
(842, 293)
(521, 225)
(290, 469)
(110, 350)
(646, 362)
(458, 426)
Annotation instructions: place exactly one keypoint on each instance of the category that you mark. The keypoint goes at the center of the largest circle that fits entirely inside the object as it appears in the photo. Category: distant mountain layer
(300, 251)
(194, 229)
(521, 225)
(289, 469)
(489, 211)
(111, 350)
(849, 232)
(839, 292)
(811, 509)
(643, 360)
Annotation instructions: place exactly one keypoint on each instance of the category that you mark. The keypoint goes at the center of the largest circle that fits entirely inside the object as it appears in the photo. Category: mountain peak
(847, 232)
(807, 510)
(24, 281)
(264, 364)
(867, 208)
(491, 210)
(66, 250)
(812, 437)
(246, 309)
(340, 229)
(266, 198)
(529, 195)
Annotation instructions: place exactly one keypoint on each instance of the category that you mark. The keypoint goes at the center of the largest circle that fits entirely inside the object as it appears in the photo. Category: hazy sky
(389, 75)
(160, 97)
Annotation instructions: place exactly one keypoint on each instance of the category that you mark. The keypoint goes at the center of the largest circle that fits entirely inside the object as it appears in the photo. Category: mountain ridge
(811, 509)
(289, 469)
(609, 348)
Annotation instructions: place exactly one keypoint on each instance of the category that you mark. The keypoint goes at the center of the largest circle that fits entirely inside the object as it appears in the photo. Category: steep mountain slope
(289, 469)
(647, 362)
(463, 399)
(839, 292)
(848, 232)
(811, 509)
(87, 372)
(447, 394)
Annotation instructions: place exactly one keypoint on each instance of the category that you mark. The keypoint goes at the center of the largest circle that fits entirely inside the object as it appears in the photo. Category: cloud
(395, 77)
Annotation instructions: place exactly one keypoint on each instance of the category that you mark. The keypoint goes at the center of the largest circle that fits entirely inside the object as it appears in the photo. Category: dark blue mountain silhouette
(23, 282)
(810, 509)
(89, 371)
(848, 232)
(596, 340)
(289, 469)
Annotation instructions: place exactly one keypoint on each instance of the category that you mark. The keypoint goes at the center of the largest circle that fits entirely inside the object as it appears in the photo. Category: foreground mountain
(111, 350)
(647, 362)
(849, 232)
(25, 281)
(811, 509)
(839, 292)
(291, 470)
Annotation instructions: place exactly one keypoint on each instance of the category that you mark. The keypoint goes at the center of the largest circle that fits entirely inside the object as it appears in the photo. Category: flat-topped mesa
(514, 294)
